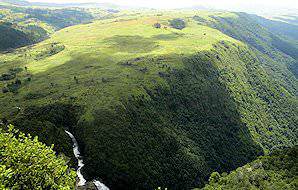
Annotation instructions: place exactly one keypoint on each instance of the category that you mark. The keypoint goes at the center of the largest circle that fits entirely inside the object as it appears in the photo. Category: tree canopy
(275, 171)
(26, 163)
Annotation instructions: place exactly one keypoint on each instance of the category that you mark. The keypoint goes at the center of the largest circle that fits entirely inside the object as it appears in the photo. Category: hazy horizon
(218, 4)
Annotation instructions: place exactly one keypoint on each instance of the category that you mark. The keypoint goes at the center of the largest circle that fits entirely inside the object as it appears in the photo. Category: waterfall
(100, 186)
(82, 180)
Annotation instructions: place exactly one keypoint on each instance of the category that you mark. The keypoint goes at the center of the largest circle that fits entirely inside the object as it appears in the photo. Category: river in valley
(82, 180)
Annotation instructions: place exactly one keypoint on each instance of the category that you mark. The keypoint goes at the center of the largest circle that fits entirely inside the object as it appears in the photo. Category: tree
(214, 177)
(27, 163)
(177, 23)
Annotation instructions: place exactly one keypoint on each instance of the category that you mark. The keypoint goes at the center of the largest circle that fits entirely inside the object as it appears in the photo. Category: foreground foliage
(26, 163)
(276, 171)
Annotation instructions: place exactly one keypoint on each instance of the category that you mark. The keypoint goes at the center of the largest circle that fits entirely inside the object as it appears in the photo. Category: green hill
(156, 106)
(272, 38)
(25, 25)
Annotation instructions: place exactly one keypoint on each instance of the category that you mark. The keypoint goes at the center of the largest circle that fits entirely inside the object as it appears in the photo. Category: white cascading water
(100, 186)
(82, 180)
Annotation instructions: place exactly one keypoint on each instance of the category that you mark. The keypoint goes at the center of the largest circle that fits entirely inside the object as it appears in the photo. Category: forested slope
(278, 170)
(12, 37)
(277, 40)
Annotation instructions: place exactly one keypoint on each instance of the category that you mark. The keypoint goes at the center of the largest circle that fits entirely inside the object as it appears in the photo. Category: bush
(15, 70)
(31, 96)
(177, 23)
(5, 90)
(50, 50)
(157, 25)
(27, 163)
(11, 74)
(214, 177)
(7, 76)
(14, 86)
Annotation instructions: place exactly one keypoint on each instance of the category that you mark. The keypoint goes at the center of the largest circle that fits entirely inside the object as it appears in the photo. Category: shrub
(31, 96)
(5, 90)
(18, 82)
(104, 80)
(214, 177)
(7, 76)
(177, 23)
(76, 79)
(50, 50)
(15, 70)
(11, 74)
(14, 86)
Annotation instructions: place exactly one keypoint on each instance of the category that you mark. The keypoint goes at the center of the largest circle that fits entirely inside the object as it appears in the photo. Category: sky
(219, 4)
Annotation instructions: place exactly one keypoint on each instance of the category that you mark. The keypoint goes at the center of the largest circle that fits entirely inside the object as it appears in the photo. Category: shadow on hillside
(167, 37)
(131, 44)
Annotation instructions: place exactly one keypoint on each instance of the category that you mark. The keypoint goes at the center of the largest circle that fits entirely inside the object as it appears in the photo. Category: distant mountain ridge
(62, 5)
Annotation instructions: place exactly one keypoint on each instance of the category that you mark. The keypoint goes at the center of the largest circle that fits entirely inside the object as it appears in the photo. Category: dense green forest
(12, 37)
(278, 170)
(202, 94)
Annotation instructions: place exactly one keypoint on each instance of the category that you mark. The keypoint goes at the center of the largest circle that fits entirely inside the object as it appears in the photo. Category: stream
(82, 180)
